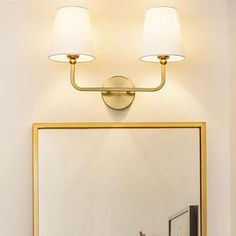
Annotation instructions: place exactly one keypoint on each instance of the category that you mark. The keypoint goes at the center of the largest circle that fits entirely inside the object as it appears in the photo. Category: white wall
(32, 89)
(232, 53)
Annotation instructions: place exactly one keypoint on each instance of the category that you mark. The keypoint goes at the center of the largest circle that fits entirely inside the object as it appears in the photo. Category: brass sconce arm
(106, 89)
(117, 92)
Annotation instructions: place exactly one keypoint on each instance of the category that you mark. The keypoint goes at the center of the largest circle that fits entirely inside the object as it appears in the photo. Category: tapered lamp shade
(72, 35)
(162, 35)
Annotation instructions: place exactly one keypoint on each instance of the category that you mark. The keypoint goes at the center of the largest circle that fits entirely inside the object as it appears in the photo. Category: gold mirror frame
(201, 126)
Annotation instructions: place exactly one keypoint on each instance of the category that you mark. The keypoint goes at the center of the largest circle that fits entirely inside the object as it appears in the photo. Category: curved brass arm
(117, 89)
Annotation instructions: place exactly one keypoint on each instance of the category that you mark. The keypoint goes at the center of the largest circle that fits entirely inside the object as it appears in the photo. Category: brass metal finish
(118, 100)
(35, 182)
(203, 181)
(73, 58)
(163, 59)
(201, 126)
(117, 89)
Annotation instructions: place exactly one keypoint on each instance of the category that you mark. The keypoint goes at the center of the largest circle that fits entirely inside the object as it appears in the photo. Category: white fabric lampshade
(72, 35)
(162, 35)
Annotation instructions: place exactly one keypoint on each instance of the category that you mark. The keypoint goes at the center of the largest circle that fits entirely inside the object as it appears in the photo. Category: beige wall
(232, 53)
(32, 89)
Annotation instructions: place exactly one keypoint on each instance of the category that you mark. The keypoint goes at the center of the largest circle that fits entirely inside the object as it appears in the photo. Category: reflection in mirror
(119, 182)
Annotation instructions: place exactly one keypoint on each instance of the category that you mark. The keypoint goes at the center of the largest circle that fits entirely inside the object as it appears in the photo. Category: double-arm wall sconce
(161, 44)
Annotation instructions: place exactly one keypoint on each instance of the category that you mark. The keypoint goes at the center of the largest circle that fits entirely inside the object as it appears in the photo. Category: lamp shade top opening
(72, 35)
(162, 35)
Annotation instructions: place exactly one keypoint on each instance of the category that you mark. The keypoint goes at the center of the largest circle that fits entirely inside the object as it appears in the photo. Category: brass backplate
(118, 100)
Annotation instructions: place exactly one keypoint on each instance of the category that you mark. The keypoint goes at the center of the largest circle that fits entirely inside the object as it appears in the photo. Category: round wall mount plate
(118, 100)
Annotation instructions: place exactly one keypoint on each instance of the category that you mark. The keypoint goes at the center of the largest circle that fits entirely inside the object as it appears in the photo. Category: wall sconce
(161, 44)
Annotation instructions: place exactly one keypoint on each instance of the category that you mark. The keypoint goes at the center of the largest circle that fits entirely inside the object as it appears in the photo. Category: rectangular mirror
(119, 179)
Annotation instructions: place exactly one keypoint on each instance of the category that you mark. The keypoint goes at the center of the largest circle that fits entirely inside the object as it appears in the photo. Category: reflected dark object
(184, 223)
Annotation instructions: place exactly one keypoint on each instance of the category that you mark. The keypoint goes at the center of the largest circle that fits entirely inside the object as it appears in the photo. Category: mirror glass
(117, 182)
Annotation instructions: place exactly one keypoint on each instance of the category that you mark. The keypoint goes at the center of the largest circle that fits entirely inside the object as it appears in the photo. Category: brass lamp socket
(72, 58)
(163, 59)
